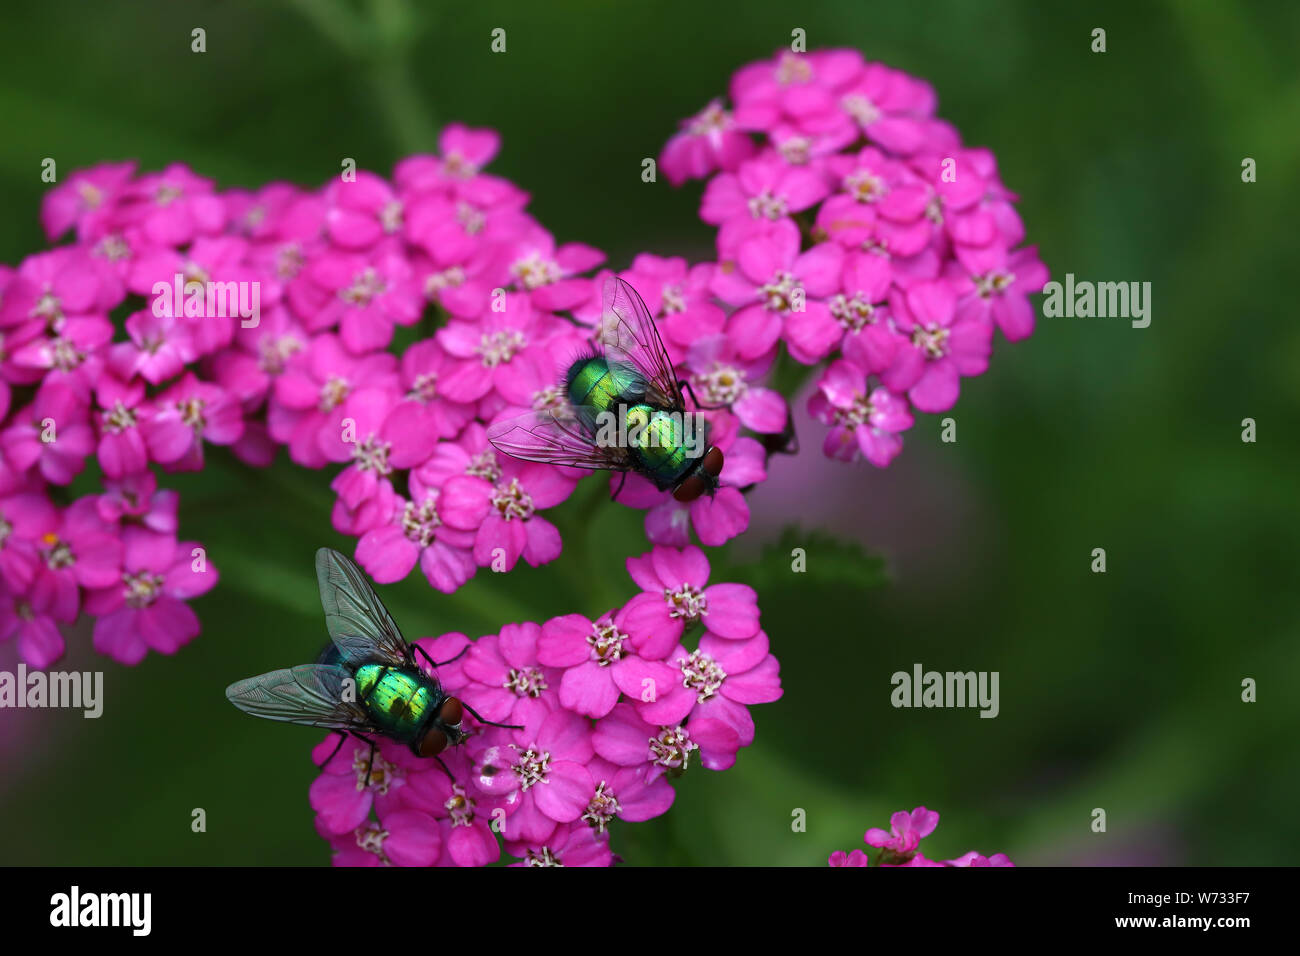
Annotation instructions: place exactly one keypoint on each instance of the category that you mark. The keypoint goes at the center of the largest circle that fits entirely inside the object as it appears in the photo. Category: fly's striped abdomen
(596, 383)
(398, 700)
(658, 447)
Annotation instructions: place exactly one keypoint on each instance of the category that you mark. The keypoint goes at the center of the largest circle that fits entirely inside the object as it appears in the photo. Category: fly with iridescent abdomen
(367, 681)
(624, 410)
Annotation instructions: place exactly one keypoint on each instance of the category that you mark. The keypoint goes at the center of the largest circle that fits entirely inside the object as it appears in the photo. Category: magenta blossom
(771, 280)
(708, 141)
(598, 665)
(677, 594)
(866, 422)
(513, 527)
(906, 830)
(147, 610)
(943, 346)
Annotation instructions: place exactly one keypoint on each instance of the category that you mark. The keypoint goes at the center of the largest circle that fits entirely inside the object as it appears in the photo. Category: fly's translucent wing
(310, 694)
(627, 334)
(358, 623)
(559, 436)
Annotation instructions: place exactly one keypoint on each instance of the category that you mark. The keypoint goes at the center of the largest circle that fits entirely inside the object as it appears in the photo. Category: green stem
(381, 45)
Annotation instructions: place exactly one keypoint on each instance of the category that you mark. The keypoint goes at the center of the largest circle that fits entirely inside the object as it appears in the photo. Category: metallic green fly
(367, 681)
(625, 411)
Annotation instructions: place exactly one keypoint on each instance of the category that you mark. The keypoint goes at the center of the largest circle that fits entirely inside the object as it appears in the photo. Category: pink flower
(422, 365)
(890, 107)
(975, 859)
(147, 610)
(943, 346)
(39, 642)
(122, 450)
(436, 530)
(906, 830)
(720, 376)
(172, 207)
(84, 199)
(573, 844)
(364, 295)
(51, 434)
(59, 285)
(361, 211)
(856, 320)
(546, 770)
(993, 283)
(186, 415)
(677, 594)
(24, 519)
(72, 356)
(381, 433)
(83, 553)
(852, 858)
(763, 188)
(547, 274)
(771, 279)
(709, 140)
(677, 295)
(405, 838)
(799, 88)
(623, 738)
(717, 681)
(598, 665)
(625, 793)
(866, 179)
(513, 528)
(343, 795)
(489, 353)
(862, 422)
(506, 680)
(464, 814)
(465, 150)
(305, 408)
(159, 348)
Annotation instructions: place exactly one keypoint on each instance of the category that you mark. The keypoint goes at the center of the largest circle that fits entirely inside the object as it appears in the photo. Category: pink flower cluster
(855, 228)
(612, 710)
(181, 317)
(900, 845)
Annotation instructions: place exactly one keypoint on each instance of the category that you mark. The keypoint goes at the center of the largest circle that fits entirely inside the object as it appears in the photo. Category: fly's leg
(445, 768)
(619, 490)
(698, 404)
(490, 723)
(435, 664)
(370, 761)
(343, 735)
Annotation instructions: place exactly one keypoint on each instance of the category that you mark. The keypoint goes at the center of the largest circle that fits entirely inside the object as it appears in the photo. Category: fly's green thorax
(398, 700)
(597, 383)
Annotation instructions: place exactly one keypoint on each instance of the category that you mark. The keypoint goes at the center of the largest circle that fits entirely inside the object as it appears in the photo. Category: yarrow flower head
(900, 845)
(857, 228)
(855, 232)
(597, 732)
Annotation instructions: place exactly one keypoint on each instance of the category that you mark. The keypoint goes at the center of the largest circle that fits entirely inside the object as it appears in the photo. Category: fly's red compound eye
(452, 713)
(434, 743)
(713, 461)
(690, 489)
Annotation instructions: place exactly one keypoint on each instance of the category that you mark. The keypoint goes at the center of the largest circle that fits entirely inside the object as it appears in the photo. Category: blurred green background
(1118, 690)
